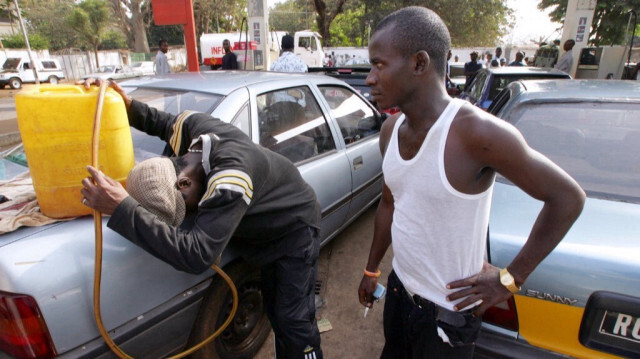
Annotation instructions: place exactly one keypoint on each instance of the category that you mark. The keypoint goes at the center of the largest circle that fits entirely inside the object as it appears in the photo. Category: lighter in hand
(377, 295)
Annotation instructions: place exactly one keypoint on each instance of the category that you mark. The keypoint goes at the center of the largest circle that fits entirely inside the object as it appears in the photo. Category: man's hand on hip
(484, 287)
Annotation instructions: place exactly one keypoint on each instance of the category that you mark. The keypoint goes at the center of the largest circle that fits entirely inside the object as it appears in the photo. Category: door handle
(357, 163)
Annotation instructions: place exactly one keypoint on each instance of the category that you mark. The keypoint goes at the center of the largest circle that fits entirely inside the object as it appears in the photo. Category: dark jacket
(253, 194)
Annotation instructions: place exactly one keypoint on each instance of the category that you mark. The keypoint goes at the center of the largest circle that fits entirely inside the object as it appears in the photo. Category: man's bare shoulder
(472, 124)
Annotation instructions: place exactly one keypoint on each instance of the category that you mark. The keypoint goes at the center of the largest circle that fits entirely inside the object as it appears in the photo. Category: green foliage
(609, 19)
(47, 18)
(16, 41)
(112, 40)
(90, 19)
(292, 16)
(347, 29)
(470, 22)
(219, 15)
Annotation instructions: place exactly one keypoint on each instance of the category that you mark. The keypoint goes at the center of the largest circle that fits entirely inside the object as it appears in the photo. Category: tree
(609, 18)
(219, 15)
(325, 14)
(90, 19)
(113, 40)
(16, 41)
(132, 16)
(47, 19)
(291, 16)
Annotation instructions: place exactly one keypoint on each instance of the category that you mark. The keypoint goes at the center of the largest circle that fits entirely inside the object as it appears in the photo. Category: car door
(359, 125)
(290, 121)
(26, 72)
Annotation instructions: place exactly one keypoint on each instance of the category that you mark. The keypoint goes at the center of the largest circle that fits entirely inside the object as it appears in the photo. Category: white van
(16, 71)
(308, 45)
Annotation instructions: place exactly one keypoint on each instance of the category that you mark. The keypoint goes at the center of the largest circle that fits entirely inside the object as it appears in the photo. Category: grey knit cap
(153, 184)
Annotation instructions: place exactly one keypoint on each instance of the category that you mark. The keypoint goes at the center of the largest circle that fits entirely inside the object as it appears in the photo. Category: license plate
(611, 324)
(621, 325)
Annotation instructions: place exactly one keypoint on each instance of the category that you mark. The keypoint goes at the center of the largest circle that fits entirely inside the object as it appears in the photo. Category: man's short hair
(287, 42)
(162, 41)
(417, 28)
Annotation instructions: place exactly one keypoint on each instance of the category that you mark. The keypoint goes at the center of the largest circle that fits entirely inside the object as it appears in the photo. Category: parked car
(150, 308)
(114, 72)
(16, 71)
(488, 82)
(583, 300)
(144, 67)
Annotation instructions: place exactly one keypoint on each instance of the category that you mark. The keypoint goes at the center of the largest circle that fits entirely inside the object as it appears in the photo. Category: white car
(114, 72)
(145, 67)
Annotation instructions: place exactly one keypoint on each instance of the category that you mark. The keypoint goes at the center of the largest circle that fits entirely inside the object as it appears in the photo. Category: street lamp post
(26, 42)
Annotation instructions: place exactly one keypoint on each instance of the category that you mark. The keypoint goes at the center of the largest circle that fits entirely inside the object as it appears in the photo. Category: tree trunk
(141, 43)
(95, 52)
(325, 17)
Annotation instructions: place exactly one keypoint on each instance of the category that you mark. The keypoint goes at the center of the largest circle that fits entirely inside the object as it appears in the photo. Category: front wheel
(250, 326)
(53, 80)
(15, 83)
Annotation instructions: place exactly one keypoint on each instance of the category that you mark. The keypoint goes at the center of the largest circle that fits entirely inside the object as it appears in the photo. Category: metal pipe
(26, 42)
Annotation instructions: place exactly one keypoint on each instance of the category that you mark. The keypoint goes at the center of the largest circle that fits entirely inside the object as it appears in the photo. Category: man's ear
(422, 61)
(184, 182)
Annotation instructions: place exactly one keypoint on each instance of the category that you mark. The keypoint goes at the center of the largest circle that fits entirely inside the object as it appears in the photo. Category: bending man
(231, 190)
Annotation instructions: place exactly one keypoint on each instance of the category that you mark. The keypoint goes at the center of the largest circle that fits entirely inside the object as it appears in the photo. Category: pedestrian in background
(161, 63)
(501, 60)
(288, 61)
(565, 63)
(471, 67)
(519, 60)
(441, 157)
(229, 60)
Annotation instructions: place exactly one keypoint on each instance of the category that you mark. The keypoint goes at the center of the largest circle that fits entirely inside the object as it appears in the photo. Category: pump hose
(97, 221)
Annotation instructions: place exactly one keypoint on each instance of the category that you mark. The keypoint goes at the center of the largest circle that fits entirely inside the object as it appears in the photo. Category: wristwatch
(507, 280)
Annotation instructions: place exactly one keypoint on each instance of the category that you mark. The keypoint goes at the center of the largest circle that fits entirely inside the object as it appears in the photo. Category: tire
(2, 86)
(250, 327)
(53, 80)
(15, 83)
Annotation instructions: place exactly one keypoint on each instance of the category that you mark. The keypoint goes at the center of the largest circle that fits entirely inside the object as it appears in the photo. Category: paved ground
(341, 264)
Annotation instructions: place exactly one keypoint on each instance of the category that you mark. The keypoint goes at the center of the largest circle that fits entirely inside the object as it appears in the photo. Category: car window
(475, 89)
(596, 143)
(242, 119)
(501, 81)
(304, 42)
(292, 124)
(499, 101)
(48, 64)
(356, 119)
(175, 102)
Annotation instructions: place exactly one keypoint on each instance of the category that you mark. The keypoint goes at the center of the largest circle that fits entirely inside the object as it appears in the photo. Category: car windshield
(106, 69)
(11, 64)
(596, 143)
(175, 102)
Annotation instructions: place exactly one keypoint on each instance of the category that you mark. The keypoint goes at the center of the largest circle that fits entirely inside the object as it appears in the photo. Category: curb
(11, 138)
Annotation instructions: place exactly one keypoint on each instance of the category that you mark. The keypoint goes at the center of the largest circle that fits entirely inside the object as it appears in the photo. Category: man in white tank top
(440, 160)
